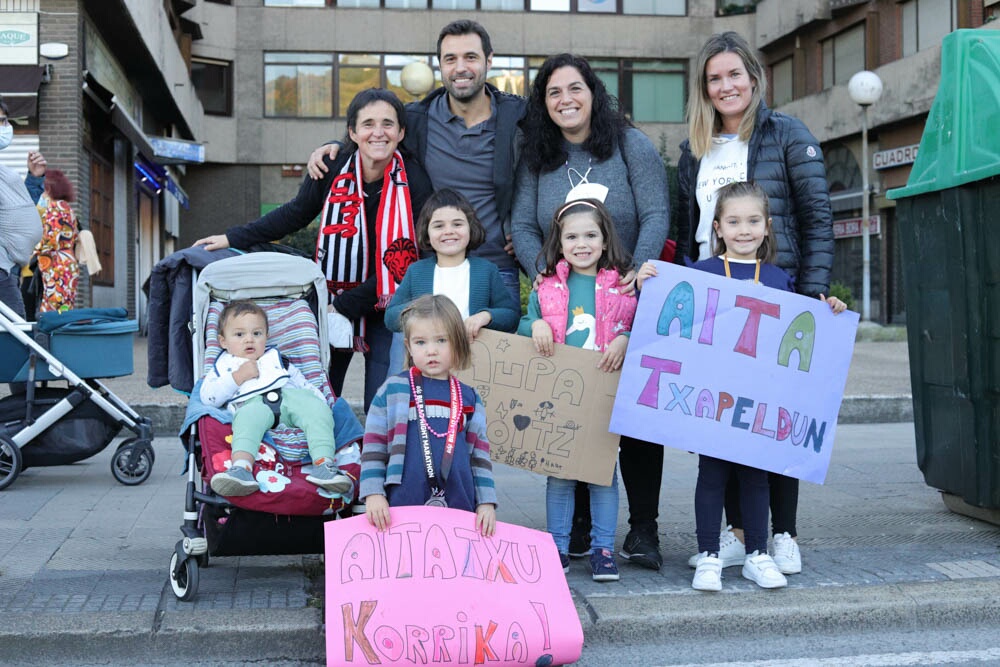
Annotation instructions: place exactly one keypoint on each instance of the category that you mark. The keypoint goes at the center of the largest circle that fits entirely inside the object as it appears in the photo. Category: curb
(790, 612)
(876, 409)
(123, 637)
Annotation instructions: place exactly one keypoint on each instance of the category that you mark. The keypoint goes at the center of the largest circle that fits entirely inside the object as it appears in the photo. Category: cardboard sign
(549, 415)
(432, 591)
(735, 370)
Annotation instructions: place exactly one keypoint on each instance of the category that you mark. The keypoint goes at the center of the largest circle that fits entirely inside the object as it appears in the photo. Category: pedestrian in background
(20, 227)
(57, 265)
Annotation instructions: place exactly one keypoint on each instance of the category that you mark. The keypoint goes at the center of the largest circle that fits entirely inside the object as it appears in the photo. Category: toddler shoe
(760, 569)
(328, 476)
(732, 552)
(235, 482)
(787, 556)
(708, 573)
(602, 565)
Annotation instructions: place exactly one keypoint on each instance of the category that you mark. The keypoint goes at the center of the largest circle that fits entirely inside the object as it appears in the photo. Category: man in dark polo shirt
(464, 135)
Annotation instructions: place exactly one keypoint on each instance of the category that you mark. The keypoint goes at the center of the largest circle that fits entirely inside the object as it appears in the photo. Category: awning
(124, 122)
(19, 89)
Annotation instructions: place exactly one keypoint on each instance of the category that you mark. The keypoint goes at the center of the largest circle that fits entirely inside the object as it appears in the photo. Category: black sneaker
(642, 548)
(564, 561)
(579, 544)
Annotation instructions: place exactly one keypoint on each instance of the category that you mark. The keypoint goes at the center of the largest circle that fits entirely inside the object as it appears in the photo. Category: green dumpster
(949, 225)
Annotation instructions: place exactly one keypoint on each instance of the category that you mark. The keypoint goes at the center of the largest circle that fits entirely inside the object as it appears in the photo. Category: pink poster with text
(431, 590)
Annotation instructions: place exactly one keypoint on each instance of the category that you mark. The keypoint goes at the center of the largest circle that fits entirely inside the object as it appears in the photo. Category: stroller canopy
(259, 275)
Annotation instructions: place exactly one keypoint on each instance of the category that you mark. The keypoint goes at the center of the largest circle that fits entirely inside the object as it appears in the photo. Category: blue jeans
(512, 281)
(560, 499)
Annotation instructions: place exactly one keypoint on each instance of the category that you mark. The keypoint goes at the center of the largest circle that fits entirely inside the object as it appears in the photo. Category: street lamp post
(865, 88)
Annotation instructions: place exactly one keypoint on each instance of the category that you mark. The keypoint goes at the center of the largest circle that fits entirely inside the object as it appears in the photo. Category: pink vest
(615, 311)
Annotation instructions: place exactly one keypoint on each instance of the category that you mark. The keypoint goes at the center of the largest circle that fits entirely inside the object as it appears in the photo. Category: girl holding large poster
(744, 248)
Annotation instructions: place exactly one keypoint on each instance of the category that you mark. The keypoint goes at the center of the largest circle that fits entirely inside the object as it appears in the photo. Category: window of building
(306, 85)
(298, 85)
(102, 217)
(926, 22)
(650, 91)
(641, 7)
(843, 56)
(213, 81)
(656, 7)
(781, 82)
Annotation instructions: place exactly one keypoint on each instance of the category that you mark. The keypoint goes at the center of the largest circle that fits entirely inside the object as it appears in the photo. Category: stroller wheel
(183, 577)
(10, 461)
(132, 463)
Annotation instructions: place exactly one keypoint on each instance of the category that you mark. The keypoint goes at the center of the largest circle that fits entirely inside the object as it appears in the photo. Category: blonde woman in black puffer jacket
(733, 136)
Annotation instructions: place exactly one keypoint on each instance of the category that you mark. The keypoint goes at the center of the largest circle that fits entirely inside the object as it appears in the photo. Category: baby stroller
(49, 426)
(287, 515)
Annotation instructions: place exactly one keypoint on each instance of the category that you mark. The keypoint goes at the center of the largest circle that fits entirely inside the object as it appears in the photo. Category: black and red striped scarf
(342, 246)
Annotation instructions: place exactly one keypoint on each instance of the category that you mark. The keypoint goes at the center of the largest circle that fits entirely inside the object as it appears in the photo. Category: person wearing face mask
(20, 225)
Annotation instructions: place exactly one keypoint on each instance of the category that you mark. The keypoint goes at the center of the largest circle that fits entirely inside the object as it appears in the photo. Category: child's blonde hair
(443, 309)
(767, 249)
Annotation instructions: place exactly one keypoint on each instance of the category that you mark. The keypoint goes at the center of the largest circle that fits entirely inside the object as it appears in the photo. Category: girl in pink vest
(578, 302)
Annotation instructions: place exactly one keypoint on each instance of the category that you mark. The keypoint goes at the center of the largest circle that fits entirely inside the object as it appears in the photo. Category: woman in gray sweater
(575, 132)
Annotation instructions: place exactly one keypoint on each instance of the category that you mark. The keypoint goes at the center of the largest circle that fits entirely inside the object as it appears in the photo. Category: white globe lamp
(417, 78)
(865, 88)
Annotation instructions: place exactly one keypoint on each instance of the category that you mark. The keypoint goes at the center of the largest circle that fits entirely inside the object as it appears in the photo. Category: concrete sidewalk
(83, 560)
(83, 565)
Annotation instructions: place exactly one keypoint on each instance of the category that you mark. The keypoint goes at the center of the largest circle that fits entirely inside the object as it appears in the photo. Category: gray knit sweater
(20, 224)
(637, 199)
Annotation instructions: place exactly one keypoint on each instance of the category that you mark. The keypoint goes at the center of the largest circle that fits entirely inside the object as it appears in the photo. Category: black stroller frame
(133, 460)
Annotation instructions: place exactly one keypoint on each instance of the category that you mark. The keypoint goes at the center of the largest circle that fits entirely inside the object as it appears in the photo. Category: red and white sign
(849, 227)
(895, 157)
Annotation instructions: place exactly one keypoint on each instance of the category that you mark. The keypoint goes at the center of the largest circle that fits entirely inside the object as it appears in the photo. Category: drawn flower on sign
(271, 481)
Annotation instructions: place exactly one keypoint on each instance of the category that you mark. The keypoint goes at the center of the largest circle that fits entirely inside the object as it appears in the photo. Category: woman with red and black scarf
(366, 203)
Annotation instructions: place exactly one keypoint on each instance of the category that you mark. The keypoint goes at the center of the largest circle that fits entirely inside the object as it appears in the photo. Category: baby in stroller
(263, 389)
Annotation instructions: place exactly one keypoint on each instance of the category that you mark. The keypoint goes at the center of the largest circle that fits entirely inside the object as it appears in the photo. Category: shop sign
(843, 229)
(895, 157)
(18, 38)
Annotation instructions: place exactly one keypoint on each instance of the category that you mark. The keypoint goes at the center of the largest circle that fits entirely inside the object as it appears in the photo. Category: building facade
(276, 76)
(102, 89)
(812, 48)
(178, 119)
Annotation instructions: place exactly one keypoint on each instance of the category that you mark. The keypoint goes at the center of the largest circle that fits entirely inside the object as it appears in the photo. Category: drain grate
(965, 569)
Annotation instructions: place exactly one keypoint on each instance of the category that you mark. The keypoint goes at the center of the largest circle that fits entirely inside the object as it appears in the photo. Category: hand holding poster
(549, 415)
(431, 590)
(735, 370)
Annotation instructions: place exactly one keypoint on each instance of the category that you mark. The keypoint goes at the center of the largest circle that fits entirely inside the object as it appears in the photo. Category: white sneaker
(760, 569)
(708, 574)
(786, 554)
(731, 550)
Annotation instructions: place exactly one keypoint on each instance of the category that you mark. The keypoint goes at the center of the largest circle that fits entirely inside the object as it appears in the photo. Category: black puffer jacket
(785, 159)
